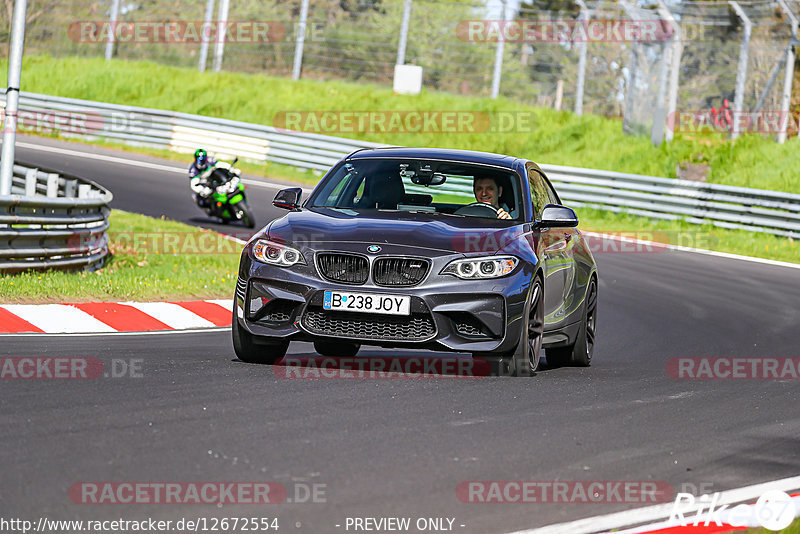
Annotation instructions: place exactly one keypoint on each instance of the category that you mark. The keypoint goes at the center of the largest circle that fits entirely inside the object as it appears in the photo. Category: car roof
(444, 154)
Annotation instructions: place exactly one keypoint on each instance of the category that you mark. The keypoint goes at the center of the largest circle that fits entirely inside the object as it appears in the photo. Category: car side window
(539, 193)
(335, 194)
(551, 193)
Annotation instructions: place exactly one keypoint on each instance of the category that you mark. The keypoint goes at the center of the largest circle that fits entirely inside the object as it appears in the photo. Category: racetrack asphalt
(400, 447)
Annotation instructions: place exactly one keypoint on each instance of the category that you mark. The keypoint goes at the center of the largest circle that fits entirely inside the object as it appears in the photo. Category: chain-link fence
(661, 65)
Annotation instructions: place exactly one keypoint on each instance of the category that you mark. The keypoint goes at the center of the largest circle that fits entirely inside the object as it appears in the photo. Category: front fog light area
(277, 253)
(481, 268)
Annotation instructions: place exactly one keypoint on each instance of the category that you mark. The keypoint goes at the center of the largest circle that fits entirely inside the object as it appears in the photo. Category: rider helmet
(200, 158)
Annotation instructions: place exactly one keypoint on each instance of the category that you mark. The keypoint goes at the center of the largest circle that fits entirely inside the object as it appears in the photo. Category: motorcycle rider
(201, 169)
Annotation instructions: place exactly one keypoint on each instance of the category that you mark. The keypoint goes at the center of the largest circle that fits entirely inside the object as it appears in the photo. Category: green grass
(703, 236)
(152, 260)
(555, 137)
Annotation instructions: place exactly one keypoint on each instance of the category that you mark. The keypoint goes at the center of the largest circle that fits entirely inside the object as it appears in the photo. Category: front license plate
(367, 303)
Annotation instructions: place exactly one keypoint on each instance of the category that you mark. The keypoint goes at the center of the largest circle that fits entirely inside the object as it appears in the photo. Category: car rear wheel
(580, 353)
(250, 352)
(342, 349)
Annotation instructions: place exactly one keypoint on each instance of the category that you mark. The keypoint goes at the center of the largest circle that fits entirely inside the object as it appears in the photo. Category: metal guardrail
(53, 221)
(724, 206)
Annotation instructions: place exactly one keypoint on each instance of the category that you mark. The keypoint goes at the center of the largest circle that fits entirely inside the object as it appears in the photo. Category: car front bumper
(447, 313)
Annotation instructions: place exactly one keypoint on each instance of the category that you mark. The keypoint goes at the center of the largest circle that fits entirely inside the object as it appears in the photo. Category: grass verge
(682, 233)
(152, 260)
(556, 137)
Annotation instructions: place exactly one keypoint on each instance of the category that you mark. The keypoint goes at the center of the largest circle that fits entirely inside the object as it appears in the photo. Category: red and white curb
(110, 317)
(655, 519)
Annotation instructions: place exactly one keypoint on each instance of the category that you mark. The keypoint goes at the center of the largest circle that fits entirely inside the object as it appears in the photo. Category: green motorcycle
(228, 201)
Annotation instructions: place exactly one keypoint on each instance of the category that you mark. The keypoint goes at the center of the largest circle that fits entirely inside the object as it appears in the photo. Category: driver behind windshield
(487, 190)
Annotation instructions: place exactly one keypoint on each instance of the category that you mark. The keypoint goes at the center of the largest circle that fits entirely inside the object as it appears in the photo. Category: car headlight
(481, 268)
(277, 253)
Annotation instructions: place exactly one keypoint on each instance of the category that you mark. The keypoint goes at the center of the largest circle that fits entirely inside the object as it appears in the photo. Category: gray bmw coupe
(421, 248)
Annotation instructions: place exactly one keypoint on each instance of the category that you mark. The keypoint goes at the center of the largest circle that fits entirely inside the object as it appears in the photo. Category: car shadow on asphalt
(371, 364)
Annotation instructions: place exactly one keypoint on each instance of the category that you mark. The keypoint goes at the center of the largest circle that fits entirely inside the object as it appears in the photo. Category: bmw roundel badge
(373, 249)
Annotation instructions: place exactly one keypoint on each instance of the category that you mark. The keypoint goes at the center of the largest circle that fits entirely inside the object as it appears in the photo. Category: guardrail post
(660, 118)
(70, 188)
(12, 96)
(401, 45)
(201, 63)
(297, 67)
(584, 16)
(30, 182)
(675, 64)
(741, 67)
(786, 97)
(498, 56)
(633, 74)
(52, 185)
(112, 35)
(222, 23)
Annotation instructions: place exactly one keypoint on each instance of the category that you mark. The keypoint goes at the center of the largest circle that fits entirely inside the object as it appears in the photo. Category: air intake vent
(241, 288)
(399, 271)
(417, 327)
(344, 268)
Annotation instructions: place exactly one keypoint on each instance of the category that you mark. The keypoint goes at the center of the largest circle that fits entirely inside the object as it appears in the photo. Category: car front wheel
(250, 352)
(524, 360)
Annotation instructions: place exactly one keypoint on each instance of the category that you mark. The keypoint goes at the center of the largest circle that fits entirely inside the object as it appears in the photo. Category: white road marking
(172, 315)
(144, 164)
(101, 157)
(648, 514)
(57, 318)
(680, 248)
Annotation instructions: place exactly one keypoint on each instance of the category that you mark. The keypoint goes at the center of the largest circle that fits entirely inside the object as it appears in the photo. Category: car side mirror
(288, 199)
(557, 216)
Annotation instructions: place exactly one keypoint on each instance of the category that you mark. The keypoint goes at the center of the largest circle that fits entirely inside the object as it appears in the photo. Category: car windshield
(437, 187)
